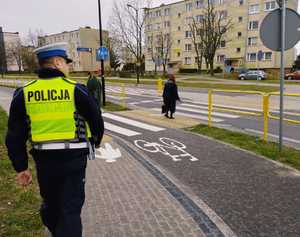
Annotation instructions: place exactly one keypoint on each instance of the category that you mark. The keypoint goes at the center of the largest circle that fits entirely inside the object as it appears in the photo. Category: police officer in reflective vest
(60, 119)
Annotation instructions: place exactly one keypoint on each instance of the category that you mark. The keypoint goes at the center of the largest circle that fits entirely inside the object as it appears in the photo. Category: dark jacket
(18, 129)
(94, 87)
(170, 96)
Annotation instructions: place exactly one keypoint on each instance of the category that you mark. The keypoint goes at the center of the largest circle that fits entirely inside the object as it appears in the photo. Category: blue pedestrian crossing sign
(102, 54)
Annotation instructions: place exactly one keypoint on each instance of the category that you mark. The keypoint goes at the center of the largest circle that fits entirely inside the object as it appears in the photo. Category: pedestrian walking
(94, 87)
(170, 96)
(60, 119)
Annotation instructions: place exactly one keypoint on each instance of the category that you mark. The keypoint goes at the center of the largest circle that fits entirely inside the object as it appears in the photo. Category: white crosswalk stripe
(120, 130)
(223, 115)
(133, 122)
(203, 118)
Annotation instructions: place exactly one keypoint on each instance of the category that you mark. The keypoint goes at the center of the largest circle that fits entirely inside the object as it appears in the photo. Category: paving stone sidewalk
(124, 199)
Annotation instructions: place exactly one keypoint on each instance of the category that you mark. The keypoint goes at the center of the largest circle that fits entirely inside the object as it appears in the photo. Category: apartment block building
(239, 47)
(10, 47)
(86, 37)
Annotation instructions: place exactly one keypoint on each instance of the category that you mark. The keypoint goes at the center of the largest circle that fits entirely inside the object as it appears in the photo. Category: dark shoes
(171, 117)
(167, 116)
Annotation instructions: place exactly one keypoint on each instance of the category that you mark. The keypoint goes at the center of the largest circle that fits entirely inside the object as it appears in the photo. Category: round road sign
(270, 29)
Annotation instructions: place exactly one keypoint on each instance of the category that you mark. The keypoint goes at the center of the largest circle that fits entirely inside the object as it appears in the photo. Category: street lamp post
(102, 61)
(137, 43)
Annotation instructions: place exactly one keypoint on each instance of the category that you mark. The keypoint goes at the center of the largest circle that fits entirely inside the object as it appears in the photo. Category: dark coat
(170, 96)
(94, 87)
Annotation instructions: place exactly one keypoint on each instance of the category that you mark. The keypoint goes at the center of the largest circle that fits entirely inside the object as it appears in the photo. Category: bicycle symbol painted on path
(167, 147)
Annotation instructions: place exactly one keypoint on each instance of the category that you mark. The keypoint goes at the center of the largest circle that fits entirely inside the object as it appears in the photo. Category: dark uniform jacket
(60, 160)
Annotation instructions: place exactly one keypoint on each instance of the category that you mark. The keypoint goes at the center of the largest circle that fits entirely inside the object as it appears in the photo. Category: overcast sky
(53, 16)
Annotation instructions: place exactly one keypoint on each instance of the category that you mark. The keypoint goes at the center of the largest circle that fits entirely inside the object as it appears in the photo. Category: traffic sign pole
(283, 13)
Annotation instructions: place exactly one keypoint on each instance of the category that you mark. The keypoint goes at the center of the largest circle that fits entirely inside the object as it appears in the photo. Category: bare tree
(196, 30)
(214, 26)
(164, 46)
(128, 26)
(32, 37)
(29, 60)
(14, 54)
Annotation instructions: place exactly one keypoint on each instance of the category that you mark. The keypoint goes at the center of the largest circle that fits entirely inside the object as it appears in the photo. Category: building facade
(10, 51)
(239, 46)
(82, 38)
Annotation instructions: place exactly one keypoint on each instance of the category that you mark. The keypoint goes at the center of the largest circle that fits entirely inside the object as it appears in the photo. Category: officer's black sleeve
(17, 132)
(87, 108)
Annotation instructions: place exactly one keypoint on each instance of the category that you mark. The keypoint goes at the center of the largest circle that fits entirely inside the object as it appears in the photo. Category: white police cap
(53, 50)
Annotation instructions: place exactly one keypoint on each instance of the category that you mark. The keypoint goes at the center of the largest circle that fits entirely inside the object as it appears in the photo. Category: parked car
(253, 75)
(293, 75)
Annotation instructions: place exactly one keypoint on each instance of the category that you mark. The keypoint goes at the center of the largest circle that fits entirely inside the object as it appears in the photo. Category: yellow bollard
(266, 115)
(159, 86)
(210, 108)
(123, 94)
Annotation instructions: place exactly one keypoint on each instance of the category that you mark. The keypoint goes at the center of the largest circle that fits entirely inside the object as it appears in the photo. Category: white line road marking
(273, 135)
(133, 122)
(229, 107)
(116, 97)
(120, 130)
(206, 112)
(204, 118)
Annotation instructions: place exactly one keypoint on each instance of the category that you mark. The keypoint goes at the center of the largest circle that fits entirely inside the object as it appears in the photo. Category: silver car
(253, 75)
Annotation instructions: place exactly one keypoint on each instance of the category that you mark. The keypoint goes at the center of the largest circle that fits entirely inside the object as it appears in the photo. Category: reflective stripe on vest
(50, 105)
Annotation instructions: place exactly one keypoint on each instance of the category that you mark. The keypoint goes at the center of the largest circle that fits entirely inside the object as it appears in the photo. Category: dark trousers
(63, 197)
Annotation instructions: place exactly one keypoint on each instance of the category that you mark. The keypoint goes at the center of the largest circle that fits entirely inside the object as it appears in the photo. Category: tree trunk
(164, 69)
(211, 67)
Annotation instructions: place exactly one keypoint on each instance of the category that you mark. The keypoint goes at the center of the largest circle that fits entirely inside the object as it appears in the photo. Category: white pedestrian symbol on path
(168, 147)
(109, 154)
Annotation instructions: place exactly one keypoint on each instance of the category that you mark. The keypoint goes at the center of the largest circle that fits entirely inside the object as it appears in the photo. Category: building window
(267, 56)
(252, 41)
(222, 44)
(253, 9)
(179, 28)
(238, 50)
(189, 7)
(178, 54)
(251, 57)
(200, 4)
(178, 41)
(253, 25)
(188, 47)
(199, 18)
(158, 13)
(241, 2)
(188, 34)
(157, 26)
(167, 11)
(220, 58)
(149, 27)
(239, 34)
(199, 32)
(187, 60)
(240, 18)
(269, 6)
(188, 20)
(179, 15)
(167, 24)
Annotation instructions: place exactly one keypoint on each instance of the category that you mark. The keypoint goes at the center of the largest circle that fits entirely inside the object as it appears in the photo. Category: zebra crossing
(116, 125)
(132, 91)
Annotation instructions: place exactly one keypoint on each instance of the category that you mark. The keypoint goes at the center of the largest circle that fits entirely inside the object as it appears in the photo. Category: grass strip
(202, 85)
(19, 215)
(112, 107)
(289, 156)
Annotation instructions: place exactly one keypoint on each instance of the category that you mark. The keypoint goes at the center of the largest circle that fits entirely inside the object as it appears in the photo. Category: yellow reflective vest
(50, 105)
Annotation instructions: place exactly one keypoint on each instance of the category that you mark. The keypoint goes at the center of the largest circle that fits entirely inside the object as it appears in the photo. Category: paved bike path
(253, 195)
